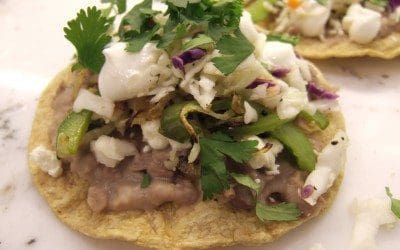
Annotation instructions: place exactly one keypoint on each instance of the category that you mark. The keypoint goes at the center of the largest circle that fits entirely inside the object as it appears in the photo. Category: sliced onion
(258, 81)
(280, 72)
(186, 57)
(320, 93)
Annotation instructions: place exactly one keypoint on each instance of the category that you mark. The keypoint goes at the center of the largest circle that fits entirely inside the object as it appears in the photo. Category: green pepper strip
(71, 131)
(257, 11)
(264, 124)
(174, 122)
(298, 144)
(318, 118)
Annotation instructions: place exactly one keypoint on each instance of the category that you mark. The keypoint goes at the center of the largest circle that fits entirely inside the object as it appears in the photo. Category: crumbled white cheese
(249, 30)
(329, 163)
(97, 104)
(361, 24)
(250, 114)
(151, 135)
(202, 90)
(370, 214)
(310, 17)
(109, 150)
(194, 153)
(265, 156)
(46, 160)
(125, 75)
(282, 55)
(292, 102)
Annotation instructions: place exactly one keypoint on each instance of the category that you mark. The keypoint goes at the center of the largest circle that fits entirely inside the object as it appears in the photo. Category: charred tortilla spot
(334, 143)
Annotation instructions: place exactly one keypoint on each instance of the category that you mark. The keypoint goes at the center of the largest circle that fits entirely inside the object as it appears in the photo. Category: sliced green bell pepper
(71, 131)
(298, 144)
(264, 124)
(318, 118)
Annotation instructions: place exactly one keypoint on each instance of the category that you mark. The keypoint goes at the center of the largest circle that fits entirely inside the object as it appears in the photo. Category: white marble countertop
(33, 49)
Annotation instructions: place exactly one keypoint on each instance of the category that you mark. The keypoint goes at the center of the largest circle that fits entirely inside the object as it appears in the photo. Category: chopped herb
(138, 27)
(380, 3)
(214, 149)
(145, 181)
(88, 33)
(280, 212)
(322, 2)
(294, 40)
(395, 203)
(201, 41)
(119, 4)
(247, 181)
(234, 49)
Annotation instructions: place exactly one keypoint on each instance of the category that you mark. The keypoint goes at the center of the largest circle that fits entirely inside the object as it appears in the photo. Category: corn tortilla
(203, 225)
(342, 47)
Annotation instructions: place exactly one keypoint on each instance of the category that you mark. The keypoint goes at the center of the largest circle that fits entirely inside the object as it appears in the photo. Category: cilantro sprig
(280, 212)
(234, 49)
(213, 152)
(395, 203)
(88, 33)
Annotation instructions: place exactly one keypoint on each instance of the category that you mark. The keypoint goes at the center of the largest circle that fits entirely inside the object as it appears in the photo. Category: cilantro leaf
(135, 18)
(120, 4)
(182, 3)
(280, 212)
(138, 27)
(247, 181)
(172, 32)
(214, 149)
(136, 43)
(322, 2)
(145, 181)
(294, 40)
(88, 33)
(224, 17)
(234, 50)
(201, 41)
(395, 203)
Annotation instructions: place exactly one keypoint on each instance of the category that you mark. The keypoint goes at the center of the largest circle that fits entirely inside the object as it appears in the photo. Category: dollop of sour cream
(311, 17)
(361, 24)
(329, 163)
(126, 75)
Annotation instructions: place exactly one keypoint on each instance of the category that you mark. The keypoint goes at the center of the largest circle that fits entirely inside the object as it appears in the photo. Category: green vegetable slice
(280, 212)
(264, 124)
(318, 118)
(71, 131)
(257, 11)
(395, 203)
(174, 122)
(298, 144)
